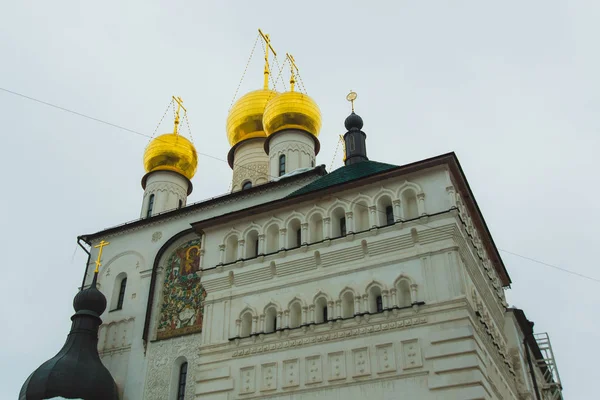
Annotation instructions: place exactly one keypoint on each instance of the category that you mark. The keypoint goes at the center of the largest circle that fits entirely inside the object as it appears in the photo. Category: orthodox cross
(351, 97)
(179, 102)
(268, 46)
(100, 246)
(293, 67)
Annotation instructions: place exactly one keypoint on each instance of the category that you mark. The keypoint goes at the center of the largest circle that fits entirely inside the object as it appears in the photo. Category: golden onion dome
(292, 110)
(171, 152)
(245, 120)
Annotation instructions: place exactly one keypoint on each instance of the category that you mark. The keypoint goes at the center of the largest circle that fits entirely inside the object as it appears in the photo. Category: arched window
(375, 301)
(182, 379)
(252, 244)
(180, 203)
(231, 249)
(385, 211)
(348, 305)
(409, 204)
(403, 293)
(270, 320)
(246, 185)
(273, 238)
(361, 212)
(246, 328)
(389, 215)
(338, 223)
(321, 310)
(282, 165)
(150, 206)
(294, 234)
(315, 228)
(295, 314)
(118, 294)
(121, 298)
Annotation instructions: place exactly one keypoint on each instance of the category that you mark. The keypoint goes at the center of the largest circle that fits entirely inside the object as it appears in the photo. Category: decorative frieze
(341, 334)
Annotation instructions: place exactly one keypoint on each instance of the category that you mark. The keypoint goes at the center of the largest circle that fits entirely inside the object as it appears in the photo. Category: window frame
(182, 380)
(282, 162)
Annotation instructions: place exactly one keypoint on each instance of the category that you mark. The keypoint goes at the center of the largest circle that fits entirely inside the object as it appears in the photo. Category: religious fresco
(183, 296)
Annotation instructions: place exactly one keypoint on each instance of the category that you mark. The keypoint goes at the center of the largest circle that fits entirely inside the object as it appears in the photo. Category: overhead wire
(225, 161)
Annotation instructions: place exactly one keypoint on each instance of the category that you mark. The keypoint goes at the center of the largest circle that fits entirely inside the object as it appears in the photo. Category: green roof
(344, 174)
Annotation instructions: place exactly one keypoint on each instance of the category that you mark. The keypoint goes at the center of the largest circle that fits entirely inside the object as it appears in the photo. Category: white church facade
(371, 281)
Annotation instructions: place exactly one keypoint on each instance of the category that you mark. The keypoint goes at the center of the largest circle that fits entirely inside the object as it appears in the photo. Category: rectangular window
(180, 204)
(150, 206)
(256, 247)
(299, 237)
(121, 294)
(379, 302)
(281, 165)
(389, 215)
(343, 226)
(325, 314)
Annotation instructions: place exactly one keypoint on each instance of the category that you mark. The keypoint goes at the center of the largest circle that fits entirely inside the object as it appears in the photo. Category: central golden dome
(171, 152)
(292, 110)
(245, 120)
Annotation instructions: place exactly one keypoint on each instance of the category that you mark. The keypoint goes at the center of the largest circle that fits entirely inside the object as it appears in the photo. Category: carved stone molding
(341, 334)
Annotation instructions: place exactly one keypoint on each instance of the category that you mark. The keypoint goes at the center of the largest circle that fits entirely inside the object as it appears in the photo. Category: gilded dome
(292, 110)
(245, 120)
(171, 152)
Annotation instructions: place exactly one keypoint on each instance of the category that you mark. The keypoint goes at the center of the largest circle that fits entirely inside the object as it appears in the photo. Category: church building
(371, 281)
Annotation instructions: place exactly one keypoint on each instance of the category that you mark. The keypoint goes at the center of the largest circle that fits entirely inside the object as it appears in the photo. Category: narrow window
(274, 323)
(150, 206)
(281, 165)
(343, 226)
(256, 247)
(389, 215)
(246, 185)
(180, 204)
(312, 163)
(299, 237)
(182, 379)
(379, 303)
(325, 314)
(121, 294)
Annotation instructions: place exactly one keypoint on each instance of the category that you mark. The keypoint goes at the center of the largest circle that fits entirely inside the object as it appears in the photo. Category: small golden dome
(245, 120)
(292, 110)
(171, 152)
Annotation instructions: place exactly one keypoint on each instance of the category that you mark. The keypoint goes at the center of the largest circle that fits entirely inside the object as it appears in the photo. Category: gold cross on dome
(179, 102)
(293, 67)
(268, 46)
(100, 246)
(351, 97)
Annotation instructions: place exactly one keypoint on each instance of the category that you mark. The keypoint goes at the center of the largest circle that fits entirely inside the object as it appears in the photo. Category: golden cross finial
(179, 102)
(100, 246)
(268, 46)
(351, 97)
(293, 67)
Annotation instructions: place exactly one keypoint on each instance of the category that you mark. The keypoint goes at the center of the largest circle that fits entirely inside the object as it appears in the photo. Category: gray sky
(512, 88)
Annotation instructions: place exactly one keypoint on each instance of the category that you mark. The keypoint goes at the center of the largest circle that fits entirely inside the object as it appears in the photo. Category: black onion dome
(353, 121)
(76, 372)
(90, 299)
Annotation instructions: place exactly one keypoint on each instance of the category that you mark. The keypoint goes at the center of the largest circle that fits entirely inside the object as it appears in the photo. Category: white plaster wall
(168, 188)
(298, 148)
(429, 251)
(250, 163)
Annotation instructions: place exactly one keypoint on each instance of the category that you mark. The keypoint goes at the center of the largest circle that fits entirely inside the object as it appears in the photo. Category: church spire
(76, 372)
(355, 139)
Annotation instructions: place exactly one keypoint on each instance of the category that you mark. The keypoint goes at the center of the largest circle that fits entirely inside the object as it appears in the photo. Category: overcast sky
(513, 88)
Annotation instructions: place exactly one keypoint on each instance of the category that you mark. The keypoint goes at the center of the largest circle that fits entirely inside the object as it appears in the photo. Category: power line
(225, 161)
